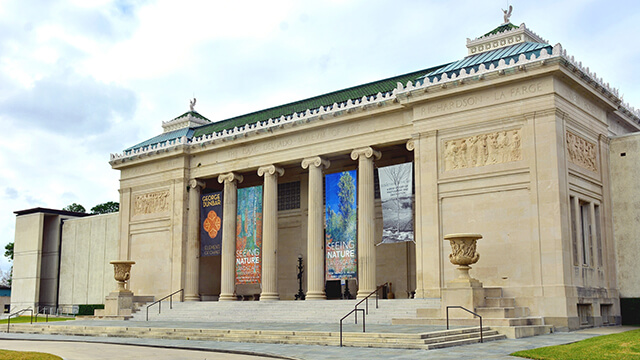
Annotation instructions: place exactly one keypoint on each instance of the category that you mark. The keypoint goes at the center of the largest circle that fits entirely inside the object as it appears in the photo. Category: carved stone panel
(150, 203)
(582, 152)
(485, 149)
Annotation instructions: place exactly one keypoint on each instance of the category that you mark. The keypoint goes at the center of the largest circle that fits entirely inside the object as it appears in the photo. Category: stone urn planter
(463, 253)
(122, 272)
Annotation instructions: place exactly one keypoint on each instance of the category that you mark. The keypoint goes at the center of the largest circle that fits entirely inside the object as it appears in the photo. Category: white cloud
(80, 79)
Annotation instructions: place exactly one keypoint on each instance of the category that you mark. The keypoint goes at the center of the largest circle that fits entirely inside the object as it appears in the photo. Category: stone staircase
(498, 312)
(280, 322)
(426, 341)
(329, 311)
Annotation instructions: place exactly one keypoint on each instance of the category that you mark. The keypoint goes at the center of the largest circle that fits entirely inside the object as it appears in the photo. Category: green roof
(340, 96)
(501, 28)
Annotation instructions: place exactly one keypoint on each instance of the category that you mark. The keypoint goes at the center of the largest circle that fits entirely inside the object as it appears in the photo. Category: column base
(269, 296)
(316, 295)
(227, 297)
(364, 293)
(192, 298)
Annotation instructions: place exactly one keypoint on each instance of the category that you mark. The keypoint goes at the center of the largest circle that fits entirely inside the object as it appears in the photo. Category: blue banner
(341, 225)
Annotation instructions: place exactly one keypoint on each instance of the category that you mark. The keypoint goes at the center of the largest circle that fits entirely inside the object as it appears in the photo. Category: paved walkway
(68, 347)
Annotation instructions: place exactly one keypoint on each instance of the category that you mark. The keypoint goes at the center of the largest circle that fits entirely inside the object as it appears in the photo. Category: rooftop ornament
(507, 14)
(192, 104)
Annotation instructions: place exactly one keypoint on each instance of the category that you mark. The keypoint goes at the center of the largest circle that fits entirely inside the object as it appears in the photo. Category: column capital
(270, 169)
(316, 161)
(411, 144)
(230, 177)
(194, 183)
(367, 152)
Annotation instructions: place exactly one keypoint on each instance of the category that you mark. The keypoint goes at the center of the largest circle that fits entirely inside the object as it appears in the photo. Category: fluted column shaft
(228, 259)
(315, 229)
(192, 262)
(366, 221)
(270, 232)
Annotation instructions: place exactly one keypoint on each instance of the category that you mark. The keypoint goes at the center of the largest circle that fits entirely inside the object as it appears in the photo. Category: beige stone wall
(507, 156)
(27, 255)
(88, 245)
(153, 203)
(625, 172)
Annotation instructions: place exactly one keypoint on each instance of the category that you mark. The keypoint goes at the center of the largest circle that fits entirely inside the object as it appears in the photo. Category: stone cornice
(188, 120)
(401, 92)
(506, 38)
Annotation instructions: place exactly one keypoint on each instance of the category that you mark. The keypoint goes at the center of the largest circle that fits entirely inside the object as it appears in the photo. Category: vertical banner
(397, 202)
(341, 225)
(249, 236)
(211, 229)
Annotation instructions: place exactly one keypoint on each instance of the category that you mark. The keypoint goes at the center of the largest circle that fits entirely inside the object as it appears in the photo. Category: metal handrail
(45, 312)
(470, 312)
(159, 302)
(18, 313)
(344, 317)
(366, 300)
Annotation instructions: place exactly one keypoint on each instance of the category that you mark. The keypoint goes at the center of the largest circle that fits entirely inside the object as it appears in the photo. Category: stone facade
(515, 151)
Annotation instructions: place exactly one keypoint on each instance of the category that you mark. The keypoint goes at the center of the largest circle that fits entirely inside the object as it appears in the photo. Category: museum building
(517, 142)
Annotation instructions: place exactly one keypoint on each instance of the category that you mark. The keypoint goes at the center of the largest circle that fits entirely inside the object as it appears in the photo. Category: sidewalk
(490, 350)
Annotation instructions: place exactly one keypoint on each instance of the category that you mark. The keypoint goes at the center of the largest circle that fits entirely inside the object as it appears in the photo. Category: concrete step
(494, 292)
(492, 322)
(499, 302)
(387, 340)
(521, 331)
(283, 311)
(503, 312)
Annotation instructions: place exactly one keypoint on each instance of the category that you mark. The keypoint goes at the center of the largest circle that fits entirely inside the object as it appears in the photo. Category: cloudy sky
(82, 79)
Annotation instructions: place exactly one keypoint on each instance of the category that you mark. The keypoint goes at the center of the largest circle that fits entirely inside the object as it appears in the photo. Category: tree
(8, 251)
(105, 208)
(5, 276)
(75, 208)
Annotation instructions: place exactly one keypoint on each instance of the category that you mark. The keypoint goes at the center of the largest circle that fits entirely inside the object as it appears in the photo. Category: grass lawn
(622, 346)
(41, 318)
(24, 355)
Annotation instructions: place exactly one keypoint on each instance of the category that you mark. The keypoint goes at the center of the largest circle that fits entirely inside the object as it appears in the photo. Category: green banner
(249, 236)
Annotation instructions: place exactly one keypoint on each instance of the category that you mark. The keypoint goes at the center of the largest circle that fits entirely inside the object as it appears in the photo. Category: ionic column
(366, 220)
(315, 229)
(270, 232)
(228, 259)
(192, 262)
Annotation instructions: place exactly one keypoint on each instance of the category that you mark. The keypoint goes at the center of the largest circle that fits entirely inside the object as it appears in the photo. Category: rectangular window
(605, 312)
(587, 249)
(584, 313)
(289, 196)
(574, 230)
(598, 235)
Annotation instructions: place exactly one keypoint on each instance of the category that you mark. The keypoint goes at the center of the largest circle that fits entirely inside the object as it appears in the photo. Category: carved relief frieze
(150, 203)
(582, 152)
(484, 149)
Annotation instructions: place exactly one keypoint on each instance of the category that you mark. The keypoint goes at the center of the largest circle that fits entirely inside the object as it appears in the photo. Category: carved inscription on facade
(581, 152)
(151, 203)
(481, 150)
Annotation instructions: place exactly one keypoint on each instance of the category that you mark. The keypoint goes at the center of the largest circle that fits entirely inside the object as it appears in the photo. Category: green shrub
(630, 311)
(88, 309)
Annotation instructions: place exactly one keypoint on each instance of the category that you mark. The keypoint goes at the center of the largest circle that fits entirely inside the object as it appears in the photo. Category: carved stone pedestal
(118, 304)
(464, 290)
